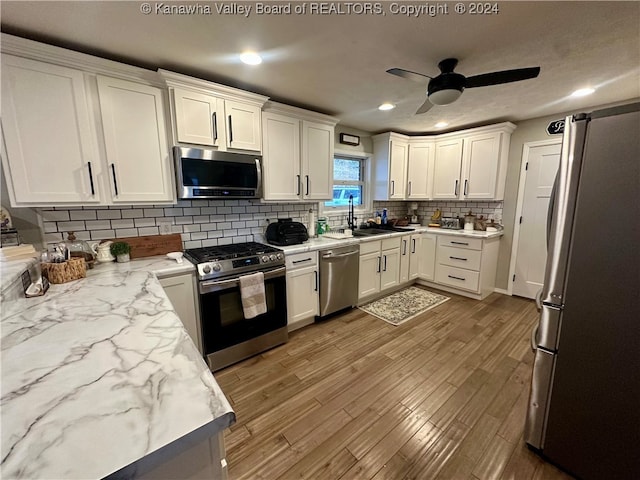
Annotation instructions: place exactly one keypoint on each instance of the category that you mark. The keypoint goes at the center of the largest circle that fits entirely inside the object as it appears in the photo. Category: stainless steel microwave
(206, 173)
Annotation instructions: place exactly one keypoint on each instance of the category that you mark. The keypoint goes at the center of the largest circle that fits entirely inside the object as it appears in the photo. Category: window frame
(365, 163)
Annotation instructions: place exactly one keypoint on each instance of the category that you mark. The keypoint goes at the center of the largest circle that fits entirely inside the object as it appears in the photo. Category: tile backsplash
(203, 223)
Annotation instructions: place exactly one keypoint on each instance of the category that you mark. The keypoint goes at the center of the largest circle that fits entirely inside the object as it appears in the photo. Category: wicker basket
(72, 269)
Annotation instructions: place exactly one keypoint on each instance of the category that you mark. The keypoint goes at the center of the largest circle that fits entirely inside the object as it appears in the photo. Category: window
(348, 179)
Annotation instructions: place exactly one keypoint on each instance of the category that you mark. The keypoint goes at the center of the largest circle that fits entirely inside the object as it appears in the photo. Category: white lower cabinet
(427, 267)
(462, 265)
(379, 266)
(409, 257)
(302, 289)
(182, 291)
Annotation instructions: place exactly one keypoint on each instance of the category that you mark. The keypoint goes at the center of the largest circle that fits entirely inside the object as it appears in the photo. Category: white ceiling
(336, 63)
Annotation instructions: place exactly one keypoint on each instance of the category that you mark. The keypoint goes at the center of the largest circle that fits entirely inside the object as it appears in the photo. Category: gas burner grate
(224, 252)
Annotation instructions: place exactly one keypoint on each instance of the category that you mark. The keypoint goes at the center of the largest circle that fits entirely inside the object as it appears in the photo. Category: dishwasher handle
(330, 255)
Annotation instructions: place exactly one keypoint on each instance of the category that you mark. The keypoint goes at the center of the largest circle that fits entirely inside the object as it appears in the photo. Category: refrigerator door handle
(539, 300)
(534, 428)
(534, 338)
(552, 201)
(549, 327)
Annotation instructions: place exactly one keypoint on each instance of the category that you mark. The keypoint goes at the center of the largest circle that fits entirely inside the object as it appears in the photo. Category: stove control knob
(206, 269)
(216, 267)
(272, 257)
(265, 259)
(280, 256)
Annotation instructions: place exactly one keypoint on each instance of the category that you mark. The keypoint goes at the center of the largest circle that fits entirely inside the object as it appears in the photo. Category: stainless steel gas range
(228, 336)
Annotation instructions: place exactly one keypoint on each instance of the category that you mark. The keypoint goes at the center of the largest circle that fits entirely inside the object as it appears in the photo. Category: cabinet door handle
(115, 182)
(456, 189)
(315, 273)
(379, 265)
(413, 247)
(215, 127)
(93, 191)
(466, 182)
(458, 258)
(404, 247)
(230, 130)
(298, 182)
(307, 180)
(409, 194)
(385, 263)
(456, 278)
(459, 243)
(303, 260)
(393, 187)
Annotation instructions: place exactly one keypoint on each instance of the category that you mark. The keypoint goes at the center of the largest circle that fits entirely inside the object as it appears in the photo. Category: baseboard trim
(502, 291)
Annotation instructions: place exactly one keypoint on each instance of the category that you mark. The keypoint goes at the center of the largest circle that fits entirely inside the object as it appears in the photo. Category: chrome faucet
(351, 219)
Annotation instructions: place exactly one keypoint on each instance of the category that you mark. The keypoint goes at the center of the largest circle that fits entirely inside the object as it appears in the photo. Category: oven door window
(223, 321)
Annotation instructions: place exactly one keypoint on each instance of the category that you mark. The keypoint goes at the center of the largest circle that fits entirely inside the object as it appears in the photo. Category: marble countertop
(99, 373)
(160, 265)
(320, 242)
(10, 271)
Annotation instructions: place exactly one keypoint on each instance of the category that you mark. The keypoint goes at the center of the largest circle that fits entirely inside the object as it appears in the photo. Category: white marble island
(100, 378)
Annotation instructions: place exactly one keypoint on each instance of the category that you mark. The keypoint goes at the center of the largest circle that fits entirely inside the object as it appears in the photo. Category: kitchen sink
(367, 232)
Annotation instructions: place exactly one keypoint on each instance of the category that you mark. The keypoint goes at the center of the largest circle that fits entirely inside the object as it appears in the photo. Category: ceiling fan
(448, 86)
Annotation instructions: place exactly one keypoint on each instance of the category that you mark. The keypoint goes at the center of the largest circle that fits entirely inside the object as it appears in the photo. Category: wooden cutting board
(152, 245)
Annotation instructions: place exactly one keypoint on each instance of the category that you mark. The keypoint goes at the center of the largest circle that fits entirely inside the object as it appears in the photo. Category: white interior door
(541, 165)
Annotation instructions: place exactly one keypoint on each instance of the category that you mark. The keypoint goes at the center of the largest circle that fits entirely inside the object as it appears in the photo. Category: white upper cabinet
(465, 165)
(197, 116)
(297, 155)
(51, 154)
(281, 157)
(481, 160)
(244, 129)
(80, 130)
(391, 153)
(446, 171)
(317, 160)
(214, 115)
(420, 169)
(135, 141)
(472, 164)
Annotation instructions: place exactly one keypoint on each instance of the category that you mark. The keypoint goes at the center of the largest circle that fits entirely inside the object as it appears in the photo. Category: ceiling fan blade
(425, 107)
(408, 74)
(505, 76)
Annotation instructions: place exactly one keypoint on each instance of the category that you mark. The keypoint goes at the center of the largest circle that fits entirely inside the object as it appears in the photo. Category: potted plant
(120, 250)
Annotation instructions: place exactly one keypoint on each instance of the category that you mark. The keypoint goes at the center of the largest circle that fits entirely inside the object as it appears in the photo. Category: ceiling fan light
(444, 96)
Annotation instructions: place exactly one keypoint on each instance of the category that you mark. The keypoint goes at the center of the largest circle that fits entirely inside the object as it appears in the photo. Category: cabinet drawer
(460, 242)
(459, 257)
(301, 260)
(457, 277)
(389, 243)
(369, 247)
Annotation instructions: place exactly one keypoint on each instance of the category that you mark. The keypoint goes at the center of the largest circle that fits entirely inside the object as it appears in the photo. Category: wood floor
(442, 396)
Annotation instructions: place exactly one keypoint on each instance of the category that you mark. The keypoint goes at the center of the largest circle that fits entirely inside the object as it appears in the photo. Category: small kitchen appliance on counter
(228, 336)
(286, 232)
(451, 223)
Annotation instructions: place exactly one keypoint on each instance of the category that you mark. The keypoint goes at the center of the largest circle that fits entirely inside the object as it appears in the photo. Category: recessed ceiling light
(251, 58)
(582, 92)
(386, 106)
(441, 124)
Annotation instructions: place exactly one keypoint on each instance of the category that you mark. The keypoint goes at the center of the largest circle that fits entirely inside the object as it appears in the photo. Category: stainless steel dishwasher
(338, 278)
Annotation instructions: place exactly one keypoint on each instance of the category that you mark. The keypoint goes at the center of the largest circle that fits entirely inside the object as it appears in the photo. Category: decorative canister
(469, 220)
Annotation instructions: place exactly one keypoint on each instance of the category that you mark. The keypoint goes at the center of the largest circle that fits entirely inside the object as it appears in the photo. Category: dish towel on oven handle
(254, 301)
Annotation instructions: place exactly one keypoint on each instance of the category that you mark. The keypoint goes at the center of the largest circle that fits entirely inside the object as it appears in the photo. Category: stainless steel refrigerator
(584, 407)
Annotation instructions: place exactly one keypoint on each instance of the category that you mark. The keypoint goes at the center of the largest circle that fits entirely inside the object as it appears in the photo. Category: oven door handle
(216, 285)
